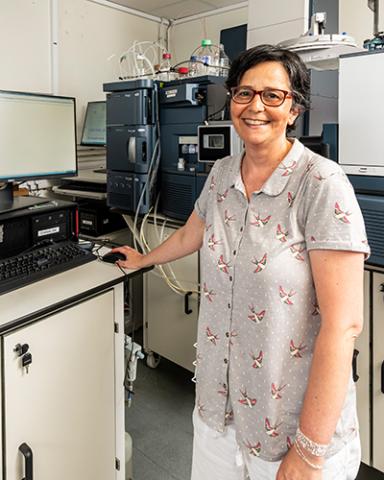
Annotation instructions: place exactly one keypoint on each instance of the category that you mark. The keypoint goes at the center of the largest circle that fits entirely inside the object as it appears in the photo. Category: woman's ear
(293, 114)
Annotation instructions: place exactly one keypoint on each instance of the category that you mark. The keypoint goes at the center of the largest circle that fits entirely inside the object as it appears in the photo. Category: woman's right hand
(133, 258)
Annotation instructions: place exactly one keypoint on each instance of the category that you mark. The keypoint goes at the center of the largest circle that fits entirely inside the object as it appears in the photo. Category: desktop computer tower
(25, 228)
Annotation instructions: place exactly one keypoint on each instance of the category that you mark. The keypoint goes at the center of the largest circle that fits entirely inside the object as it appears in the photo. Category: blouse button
(230, 278)
(227, 334)
(229, 305)
(225, 360)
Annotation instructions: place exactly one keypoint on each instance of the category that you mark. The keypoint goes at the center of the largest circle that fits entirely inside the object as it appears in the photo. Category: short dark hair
(298, 73)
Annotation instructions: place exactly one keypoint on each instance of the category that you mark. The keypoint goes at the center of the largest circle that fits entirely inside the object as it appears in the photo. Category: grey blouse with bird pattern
(259, 316)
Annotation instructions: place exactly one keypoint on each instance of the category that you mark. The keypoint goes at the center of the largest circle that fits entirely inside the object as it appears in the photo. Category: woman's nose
(256, 103)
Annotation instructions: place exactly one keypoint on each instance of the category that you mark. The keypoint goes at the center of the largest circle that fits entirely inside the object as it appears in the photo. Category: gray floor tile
(160, 422)
(366, 473)
(145, 469)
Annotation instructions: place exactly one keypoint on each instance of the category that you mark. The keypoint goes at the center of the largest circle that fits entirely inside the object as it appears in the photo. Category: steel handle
(354, 365)
(28, 459)
(187, 310)
(382, 377)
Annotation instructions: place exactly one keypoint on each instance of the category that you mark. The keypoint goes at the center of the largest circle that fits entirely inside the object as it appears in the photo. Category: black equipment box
(372, 208)
(96, 219)
(132, 144)
(21, 229)
(184, 106)
(128, 191)
(132, 102)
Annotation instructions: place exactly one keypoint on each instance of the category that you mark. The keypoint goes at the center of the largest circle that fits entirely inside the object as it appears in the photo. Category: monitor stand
(9, 203)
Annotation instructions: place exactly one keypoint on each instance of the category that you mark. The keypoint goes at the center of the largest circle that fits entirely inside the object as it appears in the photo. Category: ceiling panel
(182, 9)
(222, 3)
(175, 9)
(147, 6)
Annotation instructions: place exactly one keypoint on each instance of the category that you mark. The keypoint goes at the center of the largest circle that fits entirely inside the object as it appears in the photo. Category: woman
(282, 246)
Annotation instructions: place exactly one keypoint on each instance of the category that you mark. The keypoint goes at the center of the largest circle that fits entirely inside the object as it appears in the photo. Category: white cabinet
(64, 417)
(170, 319)
(362, 369)
(378, 371)
(370, 368)
(63, 408)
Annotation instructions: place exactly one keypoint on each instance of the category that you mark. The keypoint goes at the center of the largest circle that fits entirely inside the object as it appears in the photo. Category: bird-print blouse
(259, 316)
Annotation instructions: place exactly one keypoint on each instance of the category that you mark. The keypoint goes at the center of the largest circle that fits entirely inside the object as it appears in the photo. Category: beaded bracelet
(304, 458)
(316, 449)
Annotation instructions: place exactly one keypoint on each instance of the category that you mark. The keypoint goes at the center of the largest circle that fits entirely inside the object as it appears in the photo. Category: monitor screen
(37, 136)
(94, 129)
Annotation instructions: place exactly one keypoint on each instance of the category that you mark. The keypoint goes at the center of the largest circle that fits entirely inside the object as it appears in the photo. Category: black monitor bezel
(50, 175)
(90, 144)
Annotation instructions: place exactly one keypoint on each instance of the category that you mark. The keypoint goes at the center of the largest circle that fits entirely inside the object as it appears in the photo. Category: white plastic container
(207, 58)
(165, 70)
(182, 72)
(224, 62)
(193, 66)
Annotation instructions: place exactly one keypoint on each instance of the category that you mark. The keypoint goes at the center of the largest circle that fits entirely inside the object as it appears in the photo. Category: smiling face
(257, 124)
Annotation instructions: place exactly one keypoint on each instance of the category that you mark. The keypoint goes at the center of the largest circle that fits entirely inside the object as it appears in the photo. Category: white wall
(272, 21)
(89, 35)
(25, 45)
(185, 37)
(356, 19)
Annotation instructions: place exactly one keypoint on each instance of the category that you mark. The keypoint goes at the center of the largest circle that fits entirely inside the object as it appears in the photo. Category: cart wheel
(153, 360)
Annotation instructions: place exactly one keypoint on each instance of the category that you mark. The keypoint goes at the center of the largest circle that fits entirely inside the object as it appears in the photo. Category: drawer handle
(382, 377)
(354, 365)
(187, 310)
(28, 458)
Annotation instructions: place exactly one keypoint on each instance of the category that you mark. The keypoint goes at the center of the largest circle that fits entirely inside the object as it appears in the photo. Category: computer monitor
(37, 141)
(94, 127)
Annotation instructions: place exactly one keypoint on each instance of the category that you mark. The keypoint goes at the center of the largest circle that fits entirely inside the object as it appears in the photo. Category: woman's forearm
(328, 382)
(178, 245)
(184, 241)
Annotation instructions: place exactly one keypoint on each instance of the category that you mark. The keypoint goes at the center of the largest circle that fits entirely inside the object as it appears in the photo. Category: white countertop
(58, 288)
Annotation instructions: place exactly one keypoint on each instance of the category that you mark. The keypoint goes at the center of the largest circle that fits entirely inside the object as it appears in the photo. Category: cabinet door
(363, 371)
(63, 408)
(378, 371)
(169, 331)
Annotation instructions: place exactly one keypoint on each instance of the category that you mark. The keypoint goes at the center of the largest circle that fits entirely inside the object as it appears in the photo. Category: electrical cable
(222, 109)
(160, 270)
(139, 51)
(160, 239)
(153, 166)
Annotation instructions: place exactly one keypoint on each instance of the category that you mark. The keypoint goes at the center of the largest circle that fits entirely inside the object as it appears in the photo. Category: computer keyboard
(40, 263)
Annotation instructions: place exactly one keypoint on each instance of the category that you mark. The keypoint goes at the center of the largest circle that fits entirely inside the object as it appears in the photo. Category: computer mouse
(113, 257)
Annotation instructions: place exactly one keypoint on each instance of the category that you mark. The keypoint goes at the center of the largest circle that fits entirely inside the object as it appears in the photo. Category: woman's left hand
(294, 468)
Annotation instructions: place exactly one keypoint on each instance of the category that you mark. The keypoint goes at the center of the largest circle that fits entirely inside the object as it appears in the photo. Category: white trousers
(217, 456)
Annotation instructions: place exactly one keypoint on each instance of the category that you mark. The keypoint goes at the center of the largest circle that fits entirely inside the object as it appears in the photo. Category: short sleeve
(332, 216)
(209, 186)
